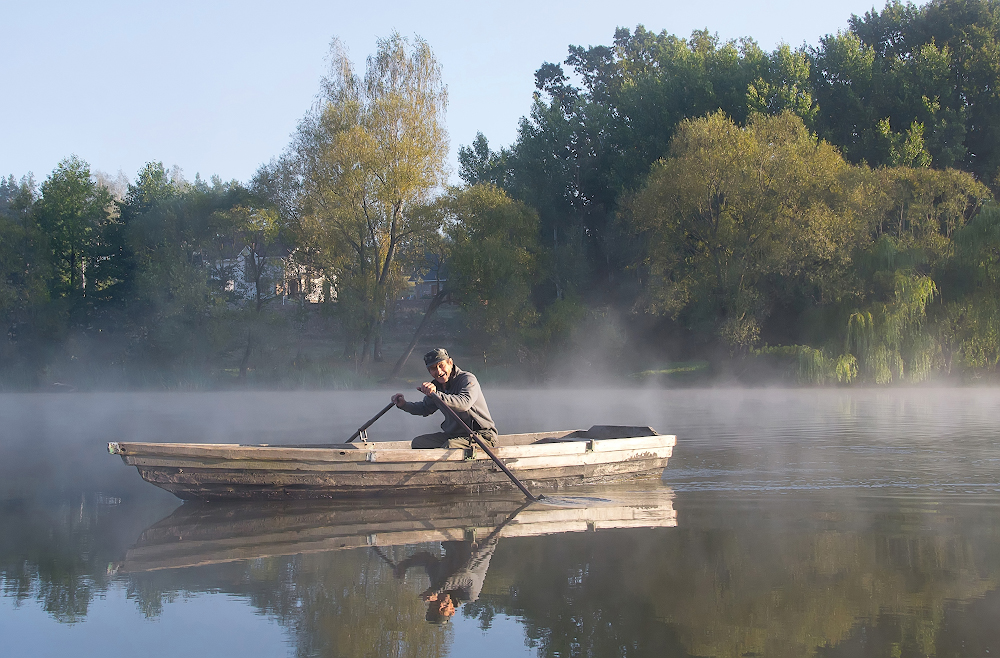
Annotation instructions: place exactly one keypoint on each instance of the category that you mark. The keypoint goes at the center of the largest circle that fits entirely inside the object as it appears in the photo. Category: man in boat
(460, 391)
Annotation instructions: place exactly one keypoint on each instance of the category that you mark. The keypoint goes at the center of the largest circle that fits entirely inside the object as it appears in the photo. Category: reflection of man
(460, 391)
(455, 579)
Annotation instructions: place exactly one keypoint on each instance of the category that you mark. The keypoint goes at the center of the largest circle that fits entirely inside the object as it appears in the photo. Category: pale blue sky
(218, 86)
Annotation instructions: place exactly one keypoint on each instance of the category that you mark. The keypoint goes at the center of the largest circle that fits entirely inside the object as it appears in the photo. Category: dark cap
(436, 355)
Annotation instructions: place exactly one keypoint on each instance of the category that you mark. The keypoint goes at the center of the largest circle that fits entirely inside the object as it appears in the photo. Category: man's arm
(423, 408)
(421, 559)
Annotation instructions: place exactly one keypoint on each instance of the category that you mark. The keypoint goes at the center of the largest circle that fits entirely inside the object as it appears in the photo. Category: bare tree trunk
(365, 348)
(246, 355)
(379, 326)
(436, 301)
(257, 267)
(350, 349)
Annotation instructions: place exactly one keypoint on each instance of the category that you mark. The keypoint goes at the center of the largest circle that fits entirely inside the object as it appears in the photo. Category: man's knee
(489, 437)
(426, 441)
(466, 442)
(461, 442)
(443, 440)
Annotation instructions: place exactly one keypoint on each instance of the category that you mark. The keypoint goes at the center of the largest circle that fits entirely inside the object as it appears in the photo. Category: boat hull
(541, 461)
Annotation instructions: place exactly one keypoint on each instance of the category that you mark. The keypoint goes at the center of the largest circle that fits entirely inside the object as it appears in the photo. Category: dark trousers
(445, 440)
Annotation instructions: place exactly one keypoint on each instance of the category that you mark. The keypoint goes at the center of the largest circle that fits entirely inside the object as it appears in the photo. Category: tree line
(823, 213)
(825, 210)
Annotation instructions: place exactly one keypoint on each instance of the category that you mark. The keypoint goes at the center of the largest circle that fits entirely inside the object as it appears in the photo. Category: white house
(282, 277)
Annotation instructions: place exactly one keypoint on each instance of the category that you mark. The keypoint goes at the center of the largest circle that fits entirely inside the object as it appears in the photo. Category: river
(790, 522)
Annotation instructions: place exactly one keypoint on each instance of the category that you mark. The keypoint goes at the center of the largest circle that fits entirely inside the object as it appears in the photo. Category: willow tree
(971, 330)
(911, 317)
(368, 156)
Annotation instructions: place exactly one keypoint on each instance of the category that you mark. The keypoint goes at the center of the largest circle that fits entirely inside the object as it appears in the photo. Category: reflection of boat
(197, 534)
(205, 471)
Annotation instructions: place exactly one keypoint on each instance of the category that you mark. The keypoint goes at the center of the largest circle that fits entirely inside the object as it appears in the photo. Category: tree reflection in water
(772, 575)
(56, 552)
(770, 578)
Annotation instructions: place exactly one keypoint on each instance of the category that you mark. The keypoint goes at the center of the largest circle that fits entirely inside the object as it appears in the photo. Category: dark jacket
(461, 572)
(463, 395)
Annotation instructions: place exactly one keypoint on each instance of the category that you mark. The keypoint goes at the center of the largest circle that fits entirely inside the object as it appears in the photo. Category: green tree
(369, 156)
(787, 86)
(732, 211)
(182, 241)
(29, 320)
(912, 217)
(124, 242)
(887, 337)
(22, 265)
(493, 262)
(844, 85)
(582, 147)
(922, 208)
(478, 164)
(71, 212)
(258, 231)
(970, 322)
(927, 72)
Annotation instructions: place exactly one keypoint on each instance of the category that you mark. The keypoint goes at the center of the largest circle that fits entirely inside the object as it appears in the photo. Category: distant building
(300, 283)
(283, 278)
(428, 279)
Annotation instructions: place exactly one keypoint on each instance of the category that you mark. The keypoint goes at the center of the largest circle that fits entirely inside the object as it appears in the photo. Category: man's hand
(427, 388)
(398, 400)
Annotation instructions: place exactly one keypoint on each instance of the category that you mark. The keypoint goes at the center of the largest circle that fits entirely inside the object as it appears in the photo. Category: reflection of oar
(486, 540)
(448, 411)
(496, 530)
(361, 430)
(379, 553)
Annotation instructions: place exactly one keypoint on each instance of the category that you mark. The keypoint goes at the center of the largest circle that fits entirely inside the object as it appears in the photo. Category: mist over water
(808, 522)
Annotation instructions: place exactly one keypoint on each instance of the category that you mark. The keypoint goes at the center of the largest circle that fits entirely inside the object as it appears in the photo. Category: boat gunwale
(370, 452)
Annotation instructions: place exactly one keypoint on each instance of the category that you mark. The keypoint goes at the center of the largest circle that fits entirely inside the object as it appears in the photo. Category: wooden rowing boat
(205, 471)
(197, 534)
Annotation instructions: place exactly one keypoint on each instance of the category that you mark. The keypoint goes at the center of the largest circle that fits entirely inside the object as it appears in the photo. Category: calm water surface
(789, 523)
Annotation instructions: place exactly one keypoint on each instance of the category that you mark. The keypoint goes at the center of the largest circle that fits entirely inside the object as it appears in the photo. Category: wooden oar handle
(372, 421)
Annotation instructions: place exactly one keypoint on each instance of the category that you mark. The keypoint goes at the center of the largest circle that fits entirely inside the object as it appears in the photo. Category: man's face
(446, 607)
(441, 371)
(443, 603)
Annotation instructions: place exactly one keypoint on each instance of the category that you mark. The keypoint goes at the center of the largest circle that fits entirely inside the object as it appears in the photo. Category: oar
(482, 444)
(362, 429)
(510, 518)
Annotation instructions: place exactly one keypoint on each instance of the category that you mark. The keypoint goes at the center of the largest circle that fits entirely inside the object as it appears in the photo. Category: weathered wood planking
(206, 471)
(331, 452)
(224, 484)
(247, 486)
(400, 461)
